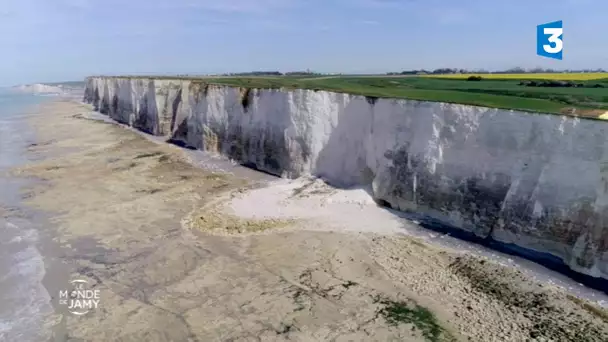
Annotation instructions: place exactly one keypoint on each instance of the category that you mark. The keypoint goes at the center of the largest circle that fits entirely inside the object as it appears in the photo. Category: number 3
(555, 39)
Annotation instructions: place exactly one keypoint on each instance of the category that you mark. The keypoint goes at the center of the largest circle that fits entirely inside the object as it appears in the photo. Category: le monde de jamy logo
(80, 300)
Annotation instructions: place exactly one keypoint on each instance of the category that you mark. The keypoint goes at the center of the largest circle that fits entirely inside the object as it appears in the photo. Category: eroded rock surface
(537, 181)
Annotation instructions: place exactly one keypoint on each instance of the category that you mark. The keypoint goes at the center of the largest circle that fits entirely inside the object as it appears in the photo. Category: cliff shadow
(261, 146)
(546, 260)
(472, 200)
(147, 117)
(341, 162)
(177, 137)
(478, 202)
(96, 99)
(174, 109)
(478, 199)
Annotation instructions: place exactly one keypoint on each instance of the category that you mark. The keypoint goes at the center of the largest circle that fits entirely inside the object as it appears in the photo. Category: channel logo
(549, 40)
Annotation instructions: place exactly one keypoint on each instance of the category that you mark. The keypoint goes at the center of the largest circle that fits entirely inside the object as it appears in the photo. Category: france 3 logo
(549, 40)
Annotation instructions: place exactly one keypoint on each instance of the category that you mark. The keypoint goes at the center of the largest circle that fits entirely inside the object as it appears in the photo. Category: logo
(79, 299)
(549, 40)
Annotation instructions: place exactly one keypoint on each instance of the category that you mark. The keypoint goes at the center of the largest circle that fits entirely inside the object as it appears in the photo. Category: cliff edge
(537, 182)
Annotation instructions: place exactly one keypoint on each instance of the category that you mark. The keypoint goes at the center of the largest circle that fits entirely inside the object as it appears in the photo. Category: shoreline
(26, 246)
(119, 200)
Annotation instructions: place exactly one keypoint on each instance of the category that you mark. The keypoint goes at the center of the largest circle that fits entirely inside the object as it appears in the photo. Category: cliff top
(581, 95)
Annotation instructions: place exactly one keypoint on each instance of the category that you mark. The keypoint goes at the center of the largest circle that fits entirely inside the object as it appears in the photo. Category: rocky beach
(180, 252)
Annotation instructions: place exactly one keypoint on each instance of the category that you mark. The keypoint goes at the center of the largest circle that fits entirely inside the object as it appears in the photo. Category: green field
(583, 97)
(574, 76)
(585, 100)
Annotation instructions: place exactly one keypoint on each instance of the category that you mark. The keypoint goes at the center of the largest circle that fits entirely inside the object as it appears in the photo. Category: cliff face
(537, 181)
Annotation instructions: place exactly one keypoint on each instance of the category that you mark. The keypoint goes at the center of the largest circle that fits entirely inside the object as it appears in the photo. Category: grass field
(555, 76)
(507, 93)
(589, 98)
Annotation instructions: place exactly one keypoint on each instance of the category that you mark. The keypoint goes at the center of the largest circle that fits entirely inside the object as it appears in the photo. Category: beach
(182, 249)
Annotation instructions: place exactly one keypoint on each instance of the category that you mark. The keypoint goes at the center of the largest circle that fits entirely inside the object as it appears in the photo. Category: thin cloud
(369, 22)
(240, 6)
(226, 6)
(381, 4)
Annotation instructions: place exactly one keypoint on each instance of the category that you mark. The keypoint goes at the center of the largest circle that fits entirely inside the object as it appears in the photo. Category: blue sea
(24, 302)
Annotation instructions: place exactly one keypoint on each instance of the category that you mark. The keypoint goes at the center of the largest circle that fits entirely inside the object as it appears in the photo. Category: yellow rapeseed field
(553, 76)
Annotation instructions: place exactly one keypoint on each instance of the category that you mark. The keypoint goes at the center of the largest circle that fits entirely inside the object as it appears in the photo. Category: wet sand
(24, 302)
(136, 220)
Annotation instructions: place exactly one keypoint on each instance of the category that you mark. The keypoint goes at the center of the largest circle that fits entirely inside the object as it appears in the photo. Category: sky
(63, 40)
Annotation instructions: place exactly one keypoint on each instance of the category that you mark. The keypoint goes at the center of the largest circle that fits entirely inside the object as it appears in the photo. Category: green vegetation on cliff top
(582, 98)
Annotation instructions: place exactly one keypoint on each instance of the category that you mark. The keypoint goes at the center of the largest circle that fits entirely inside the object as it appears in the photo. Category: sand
(181, 253)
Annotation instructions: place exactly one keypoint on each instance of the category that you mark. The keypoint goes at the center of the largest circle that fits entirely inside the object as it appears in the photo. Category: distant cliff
(38, 88)
(539, 182)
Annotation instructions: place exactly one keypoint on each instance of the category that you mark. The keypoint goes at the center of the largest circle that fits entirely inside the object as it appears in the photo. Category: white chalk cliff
(537, 181)
(39, 89)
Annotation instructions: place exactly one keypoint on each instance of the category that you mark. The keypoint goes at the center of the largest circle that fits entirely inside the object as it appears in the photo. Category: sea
(24, 301)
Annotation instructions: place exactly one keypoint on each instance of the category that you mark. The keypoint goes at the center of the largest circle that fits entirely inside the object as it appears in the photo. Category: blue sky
(55, 40)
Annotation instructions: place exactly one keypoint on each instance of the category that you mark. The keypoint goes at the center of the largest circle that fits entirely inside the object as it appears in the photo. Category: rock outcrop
(539, 182)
